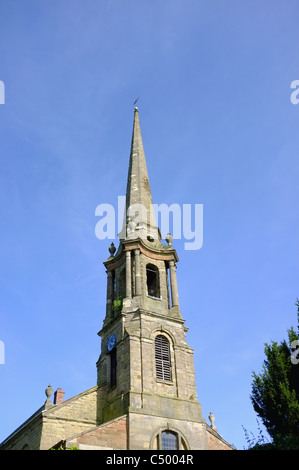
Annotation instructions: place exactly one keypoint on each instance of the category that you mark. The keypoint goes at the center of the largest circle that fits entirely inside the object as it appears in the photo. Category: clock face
(111, 342)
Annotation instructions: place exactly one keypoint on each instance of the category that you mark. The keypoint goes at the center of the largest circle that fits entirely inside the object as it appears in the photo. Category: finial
(112, 249)
(169, 239)
(212, 419)
(48, 393)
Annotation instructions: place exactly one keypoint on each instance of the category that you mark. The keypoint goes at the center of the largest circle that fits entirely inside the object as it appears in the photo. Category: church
(145, 397)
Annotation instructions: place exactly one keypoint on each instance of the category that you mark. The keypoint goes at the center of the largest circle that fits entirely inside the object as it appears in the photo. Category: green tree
(275, 391)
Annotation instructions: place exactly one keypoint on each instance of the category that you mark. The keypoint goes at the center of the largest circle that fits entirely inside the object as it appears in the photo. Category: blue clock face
(111, 342)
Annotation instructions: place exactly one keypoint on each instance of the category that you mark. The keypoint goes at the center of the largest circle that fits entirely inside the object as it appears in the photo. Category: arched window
(152, 281)
(169, 440)
(162, 356)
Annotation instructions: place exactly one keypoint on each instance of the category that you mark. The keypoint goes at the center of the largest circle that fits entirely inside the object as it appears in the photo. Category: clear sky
(213, 79)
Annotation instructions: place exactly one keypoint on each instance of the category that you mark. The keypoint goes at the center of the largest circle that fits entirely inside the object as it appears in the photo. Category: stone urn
(169, 239)
(112, 249)
(48, 392)
(212, 419)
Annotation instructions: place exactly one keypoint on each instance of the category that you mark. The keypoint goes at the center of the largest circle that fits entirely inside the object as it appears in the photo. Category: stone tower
(145, 397)
(146, 367)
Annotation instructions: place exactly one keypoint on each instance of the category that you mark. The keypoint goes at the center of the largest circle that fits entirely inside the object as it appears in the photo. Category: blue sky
(213, 80)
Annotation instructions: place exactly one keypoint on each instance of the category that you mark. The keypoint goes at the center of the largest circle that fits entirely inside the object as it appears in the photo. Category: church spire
(139, 218)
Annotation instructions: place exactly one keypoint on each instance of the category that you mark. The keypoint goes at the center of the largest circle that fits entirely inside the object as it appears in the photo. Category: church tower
(145, 397)
(146, 368)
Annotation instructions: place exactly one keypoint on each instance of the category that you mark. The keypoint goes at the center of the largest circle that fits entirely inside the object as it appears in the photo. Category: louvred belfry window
(162, 355)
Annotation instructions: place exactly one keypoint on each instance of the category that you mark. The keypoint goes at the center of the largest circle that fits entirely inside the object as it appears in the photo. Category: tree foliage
(275, 391)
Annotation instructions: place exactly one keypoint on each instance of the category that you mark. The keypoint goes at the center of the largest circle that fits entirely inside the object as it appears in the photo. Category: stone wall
(27, 436)
(69, 418)
(143, 431)
(111, 435)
